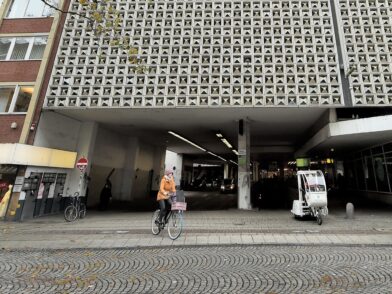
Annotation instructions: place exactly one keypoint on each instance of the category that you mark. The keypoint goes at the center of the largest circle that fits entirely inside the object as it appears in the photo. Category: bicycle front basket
(178, 206)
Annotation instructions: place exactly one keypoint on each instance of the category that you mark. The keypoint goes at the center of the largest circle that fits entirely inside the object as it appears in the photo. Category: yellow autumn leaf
(133, 51)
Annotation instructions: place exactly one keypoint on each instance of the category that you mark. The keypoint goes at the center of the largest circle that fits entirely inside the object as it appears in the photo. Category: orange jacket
(166, 186)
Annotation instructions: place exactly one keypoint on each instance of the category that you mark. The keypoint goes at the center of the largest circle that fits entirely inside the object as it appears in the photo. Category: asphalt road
(206, 269)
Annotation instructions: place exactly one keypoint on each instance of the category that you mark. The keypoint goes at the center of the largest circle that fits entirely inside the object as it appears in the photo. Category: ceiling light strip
(186, 140)
(226, 143)
(213, 154)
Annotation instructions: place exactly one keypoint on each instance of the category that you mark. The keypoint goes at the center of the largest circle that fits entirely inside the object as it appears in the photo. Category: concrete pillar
(225, 171)
(85, 148)
(244, 165)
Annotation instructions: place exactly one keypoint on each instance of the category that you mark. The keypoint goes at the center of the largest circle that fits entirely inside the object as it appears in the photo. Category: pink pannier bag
(178, 206)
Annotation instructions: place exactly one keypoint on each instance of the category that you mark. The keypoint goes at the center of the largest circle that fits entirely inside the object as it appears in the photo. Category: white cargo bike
(312, 192)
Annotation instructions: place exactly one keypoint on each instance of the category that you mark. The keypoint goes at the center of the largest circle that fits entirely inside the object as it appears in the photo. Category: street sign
(82, 164)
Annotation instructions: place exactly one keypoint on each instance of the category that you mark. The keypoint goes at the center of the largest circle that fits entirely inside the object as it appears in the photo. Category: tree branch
(65, 11)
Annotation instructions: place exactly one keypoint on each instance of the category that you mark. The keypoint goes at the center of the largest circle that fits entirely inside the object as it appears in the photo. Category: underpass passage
(273, 193)
(210, 200)
(212, 269)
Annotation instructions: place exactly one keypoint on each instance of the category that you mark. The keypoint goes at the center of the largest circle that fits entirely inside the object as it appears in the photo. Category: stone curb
(351, 245)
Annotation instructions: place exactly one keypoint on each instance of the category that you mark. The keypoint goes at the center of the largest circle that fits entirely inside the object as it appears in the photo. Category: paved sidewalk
(124, 230)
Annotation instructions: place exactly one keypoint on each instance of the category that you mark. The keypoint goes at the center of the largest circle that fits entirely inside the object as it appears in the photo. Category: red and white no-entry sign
(82, 164)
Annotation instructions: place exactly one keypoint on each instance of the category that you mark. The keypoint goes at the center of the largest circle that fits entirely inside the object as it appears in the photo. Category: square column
(244, 165)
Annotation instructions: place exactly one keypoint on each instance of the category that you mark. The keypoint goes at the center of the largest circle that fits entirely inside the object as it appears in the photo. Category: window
(15, 98)
(22, 48)
(31, 8)
(38, 48)
(6, 95)
(5, 44)
(23, 99)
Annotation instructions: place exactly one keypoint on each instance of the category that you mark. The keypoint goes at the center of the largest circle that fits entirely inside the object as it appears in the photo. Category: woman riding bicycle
(166, 188)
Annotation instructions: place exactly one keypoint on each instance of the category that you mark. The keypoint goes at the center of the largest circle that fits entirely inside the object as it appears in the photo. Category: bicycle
(76, 209)
(174, 219)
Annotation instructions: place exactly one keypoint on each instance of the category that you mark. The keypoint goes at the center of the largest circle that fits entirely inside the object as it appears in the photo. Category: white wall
(105, 149)
(144, 163)
(57, 131)
(109, 152)
(60, 132)
(174, 160)
(132, 160)
(149, 170)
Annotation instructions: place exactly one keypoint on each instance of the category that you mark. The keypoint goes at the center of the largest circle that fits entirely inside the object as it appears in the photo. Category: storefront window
(381, 173)
(388, 164)
(369, 174)
(388, 147)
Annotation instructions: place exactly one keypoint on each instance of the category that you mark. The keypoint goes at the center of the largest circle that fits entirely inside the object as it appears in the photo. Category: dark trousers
(165, 207)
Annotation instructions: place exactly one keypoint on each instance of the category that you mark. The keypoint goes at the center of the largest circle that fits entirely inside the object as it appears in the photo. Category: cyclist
(166, 188)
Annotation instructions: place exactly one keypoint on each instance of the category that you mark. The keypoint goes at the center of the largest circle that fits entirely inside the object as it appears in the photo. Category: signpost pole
(82, 166)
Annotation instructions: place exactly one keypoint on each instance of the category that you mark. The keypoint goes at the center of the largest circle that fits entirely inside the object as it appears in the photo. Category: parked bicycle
(76, 209)
(174, 220)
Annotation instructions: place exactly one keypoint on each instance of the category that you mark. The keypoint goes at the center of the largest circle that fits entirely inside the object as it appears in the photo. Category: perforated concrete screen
(219, 53)
(367, 29)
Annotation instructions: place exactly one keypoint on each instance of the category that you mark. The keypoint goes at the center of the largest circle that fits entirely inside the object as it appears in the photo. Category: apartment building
(27, 34)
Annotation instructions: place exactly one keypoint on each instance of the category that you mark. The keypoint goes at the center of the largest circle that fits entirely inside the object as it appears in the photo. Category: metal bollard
(350, 210)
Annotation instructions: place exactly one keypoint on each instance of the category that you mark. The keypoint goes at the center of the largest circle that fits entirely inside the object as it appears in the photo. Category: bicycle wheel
(174, 227)
(319, 218)
(82, 211)
(70, 213)
(155, 228)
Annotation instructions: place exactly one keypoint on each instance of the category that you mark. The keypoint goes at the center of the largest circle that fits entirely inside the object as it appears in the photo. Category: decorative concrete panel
(210, 53)
(367, 31)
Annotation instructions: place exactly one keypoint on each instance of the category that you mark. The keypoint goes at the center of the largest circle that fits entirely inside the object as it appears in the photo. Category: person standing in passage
(106, 195)
(166, 187)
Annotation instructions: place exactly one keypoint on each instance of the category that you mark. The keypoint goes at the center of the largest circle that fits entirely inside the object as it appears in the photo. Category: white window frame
(29, 48)
(15, 97)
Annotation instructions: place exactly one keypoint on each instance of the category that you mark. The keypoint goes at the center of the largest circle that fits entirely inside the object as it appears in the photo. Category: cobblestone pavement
(214, 269)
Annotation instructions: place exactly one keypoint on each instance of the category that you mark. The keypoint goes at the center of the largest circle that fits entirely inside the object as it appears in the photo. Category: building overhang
(21, 154)
(345, 136)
